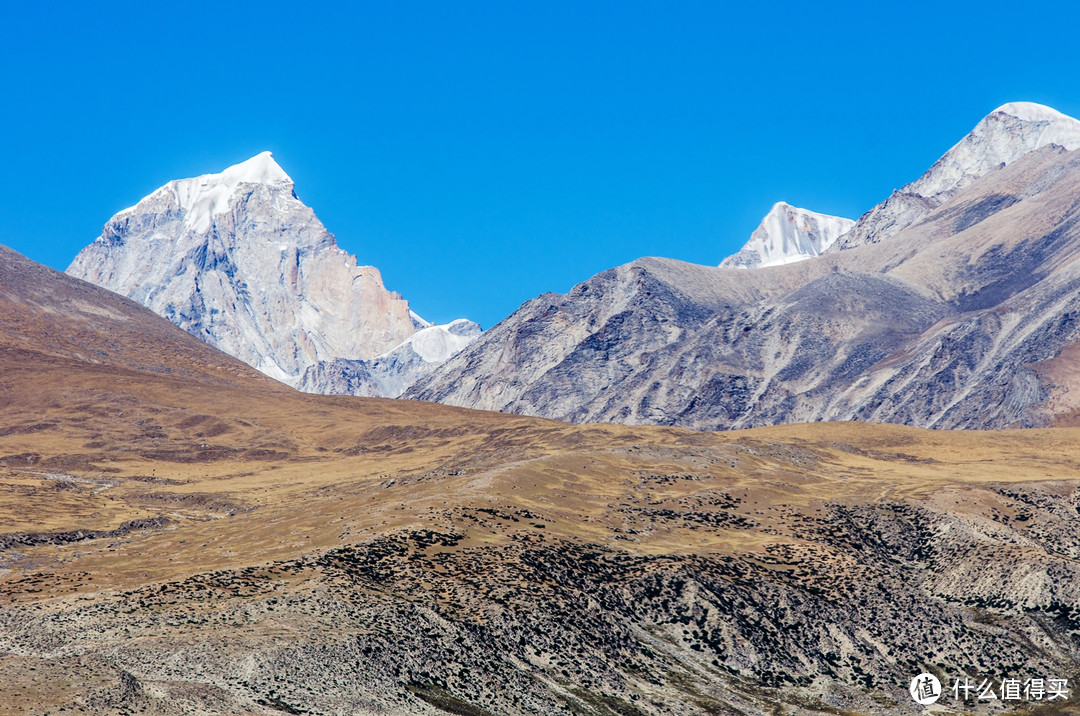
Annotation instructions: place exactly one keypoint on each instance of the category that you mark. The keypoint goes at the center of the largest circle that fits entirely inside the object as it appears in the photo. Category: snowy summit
(1058, 128)
(204, 197)
(236, 259)
(1002, 137)
(999, 139)
(788, 234)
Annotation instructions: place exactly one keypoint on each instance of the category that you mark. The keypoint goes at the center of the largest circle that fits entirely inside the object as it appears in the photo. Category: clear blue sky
(482, 153)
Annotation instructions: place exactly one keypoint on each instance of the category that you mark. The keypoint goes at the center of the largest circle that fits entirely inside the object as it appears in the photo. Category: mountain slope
(51, 319)
(788, 234)
(239, 261)
(962, 319)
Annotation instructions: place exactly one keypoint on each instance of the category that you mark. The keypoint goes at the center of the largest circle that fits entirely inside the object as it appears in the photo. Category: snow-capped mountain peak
(1060, 129)
(260, 169)
(788, 234)
(238, 260)
(1034, 112)
(1000, 138)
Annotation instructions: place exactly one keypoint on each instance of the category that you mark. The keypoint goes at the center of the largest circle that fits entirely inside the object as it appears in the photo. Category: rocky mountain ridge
(964, 318)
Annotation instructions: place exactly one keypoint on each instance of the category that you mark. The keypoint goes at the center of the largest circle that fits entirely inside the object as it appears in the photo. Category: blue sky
(480, 154)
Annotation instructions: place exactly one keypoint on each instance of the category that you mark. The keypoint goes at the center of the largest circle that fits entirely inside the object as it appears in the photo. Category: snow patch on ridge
(389, 375)
(436, 344)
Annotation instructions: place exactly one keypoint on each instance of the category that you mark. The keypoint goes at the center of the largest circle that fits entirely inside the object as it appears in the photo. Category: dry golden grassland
(241, 475)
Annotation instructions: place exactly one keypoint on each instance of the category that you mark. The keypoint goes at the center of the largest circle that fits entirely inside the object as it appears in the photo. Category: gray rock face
(237, 260)
(668, 347)
(962, 320)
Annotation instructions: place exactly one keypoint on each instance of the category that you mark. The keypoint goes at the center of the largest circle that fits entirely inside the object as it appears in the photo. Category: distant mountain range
(951, 304)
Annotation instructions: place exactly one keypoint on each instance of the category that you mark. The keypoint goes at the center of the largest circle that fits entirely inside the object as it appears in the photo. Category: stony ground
(792, 604)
